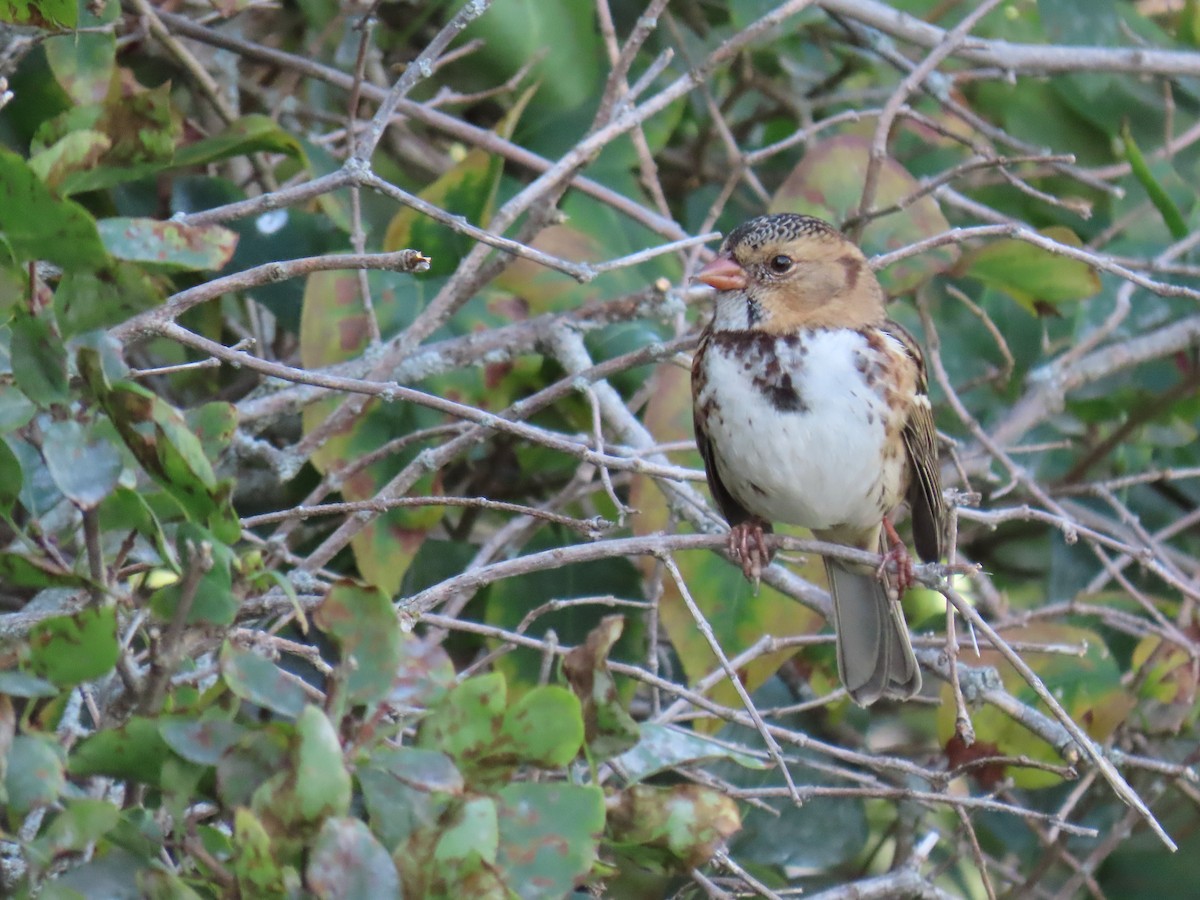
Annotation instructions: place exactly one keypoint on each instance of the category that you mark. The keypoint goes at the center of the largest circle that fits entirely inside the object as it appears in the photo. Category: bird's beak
(724, 274)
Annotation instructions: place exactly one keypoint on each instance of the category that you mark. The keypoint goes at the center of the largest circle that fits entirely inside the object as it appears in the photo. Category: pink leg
(748, 547)
(898, 553)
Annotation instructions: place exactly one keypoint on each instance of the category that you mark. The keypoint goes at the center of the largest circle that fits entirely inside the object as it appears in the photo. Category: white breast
(798, 433)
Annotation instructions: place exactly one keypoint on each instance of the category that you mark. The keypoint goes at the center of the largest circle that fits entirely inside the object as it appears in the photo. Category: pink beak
(724, 274)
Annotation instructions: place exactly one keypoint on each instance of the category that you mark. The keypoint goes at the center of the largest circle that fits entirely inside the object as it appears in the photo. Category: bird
(811, 408)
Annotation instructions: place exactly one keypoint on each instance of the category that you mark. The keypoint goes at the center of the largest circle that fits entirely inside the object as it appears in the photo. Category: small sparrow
(810, 408)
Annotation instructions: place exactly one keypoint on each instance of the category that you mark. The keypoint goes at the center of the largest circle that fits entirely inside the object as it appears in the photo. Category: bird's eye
(780, 264)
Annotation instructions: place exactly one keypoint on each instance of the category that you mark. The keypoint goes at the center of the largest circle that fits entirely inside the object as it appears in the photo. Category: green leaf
(86, 301)
(71, 649)
(134, 751)
(15, 683)
(1158, 195)
(260, 681)
(608, 726)
(425, 770)
(258, 756)
(549, 837)
(685, 822)
(35, 225)
(214, 423)
(472, 832)
(424, 673)
(25, 570)
(10, 478)
(82, 823)
(544, 728)
(213, 601)
(254, 866)
(249, 134)
(39, 360)
(348, 863)
(363, 622)
(314, 785)
(78, 151)
(159, 438)
(84, 464)
(83, 64)
(509, 601)
(40, 13)
(1029, 274)
(465, 724)
(169, 244)
(34, 776)
(201, 741)
(663, 747)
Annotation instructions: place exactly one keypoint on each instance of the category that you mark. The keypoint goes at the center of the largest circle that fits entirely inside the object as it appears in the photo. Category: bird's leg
(748, 547)
(897, 553)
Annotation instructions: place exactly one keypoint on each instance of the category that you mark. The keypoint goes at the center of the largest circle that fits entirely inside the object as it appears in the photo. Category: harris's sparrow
(810, 408)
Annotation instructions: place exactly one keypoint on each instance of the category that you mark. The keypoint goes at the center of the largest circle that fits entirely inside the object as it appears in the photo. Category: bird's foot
(898, 554)
(748, 547)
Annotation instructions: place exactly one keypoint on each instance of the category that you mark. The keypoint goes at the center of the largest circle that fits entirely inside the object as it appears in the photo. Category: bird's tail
(874, 655)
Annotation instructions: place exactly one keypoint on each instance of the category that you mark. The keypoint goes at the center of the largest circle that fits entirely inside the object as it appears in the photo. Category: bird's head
(789, 271)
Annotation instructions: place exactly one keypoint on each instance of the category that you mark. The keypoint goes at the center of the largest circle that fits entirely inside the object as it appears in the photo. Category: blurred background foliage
(205, 689)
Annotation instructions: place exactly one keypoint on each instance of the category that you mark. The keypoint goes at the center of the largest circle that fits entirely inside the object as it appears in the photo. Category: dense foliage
(353, 541)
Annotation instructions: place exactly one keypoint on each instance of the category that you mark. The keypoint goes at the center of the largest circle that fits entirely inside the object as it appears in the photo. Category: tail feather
(874, 654)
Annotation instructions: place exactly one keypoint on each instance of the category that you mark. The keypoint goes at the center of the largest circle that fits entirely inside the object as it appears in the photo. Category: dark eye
(780, 264)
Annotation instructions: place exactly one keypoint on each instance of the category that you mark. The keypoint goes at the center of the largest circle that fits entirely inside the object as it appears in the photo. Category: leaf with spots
(466, 723)
(675, 828)
(171, 245)
(363, 622)
(549, 837)
(347, 862)
(544, 728)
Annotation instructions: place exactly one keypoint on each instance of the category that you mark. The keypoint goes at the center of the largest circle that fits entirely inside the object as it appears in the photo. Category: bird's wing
(920, 441)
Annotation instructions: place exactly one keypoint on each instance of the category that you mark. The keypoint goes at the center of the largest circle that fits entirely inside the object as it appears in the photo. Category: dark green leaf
(10, 478)
(249, 134)
(260, 681)
(213, 600)
(39, 360)
(84, 464)
(201, 741)
(34, 775)
(26, 570)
